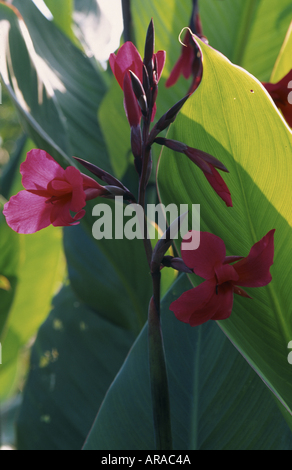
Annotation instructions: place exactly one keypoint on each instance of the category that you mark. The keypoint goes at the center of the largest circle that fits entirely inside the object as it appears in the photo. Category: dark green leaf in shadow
(76, 356)
(217, 400)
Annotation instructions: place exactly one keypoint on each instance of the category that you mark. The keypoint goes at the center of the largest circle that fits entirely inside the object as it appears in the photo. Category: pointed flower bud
(176, 263)
(149, 47)
(207, 163)
(139, 92)
(165, 242)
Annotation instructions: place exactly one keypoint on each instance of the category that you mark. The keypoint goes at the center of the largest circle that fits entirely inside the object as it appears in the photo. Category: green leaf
(283, 63)
(231, 117)
(249, 32)
(63, 13)
(78, 89)
(217, 401)
(9, 259)
(31, 94)
(74, 360)
(39, 273)
(65, 122)
(99, 268)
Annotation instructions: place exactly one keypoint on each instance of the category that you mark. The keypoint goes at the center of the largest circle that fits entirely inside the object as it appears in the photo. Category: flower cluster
(53, 193)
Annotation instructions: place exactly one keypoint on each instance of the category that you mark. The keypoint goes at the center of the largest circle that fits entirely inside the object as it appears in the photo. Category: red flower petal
(132, 108)
(175, 73)
(254, 270)
(74, 177)
(127, 58)
(189, 303)
(39, 169)
(279, 93)
(184, 64)
(224, 301)
(203, 303)
(60, 213)
(219, 185)
(210, 253)
(225, 273)
(161, 58)
(27, 212)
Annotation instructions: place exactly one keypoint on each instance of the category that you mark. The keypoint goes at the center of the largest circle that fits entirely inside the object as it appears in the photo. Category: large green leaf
(99, 268)
(283, 63)
(217, 401)
(63, 15)
(249, 32)
(78, 85)
(40, 271)
(60, 116)
(32, 95)
(76, 356)
(232, 117)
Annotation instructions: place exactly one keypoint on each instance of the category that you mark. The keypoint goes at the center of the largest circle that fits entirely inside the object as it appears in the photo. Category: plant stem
(146, 156)
(127, 18)
(158, 372)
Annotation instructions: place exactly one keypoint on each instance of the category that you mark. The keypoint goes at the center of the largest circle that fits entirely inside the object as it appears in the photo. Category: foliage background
(88, 348)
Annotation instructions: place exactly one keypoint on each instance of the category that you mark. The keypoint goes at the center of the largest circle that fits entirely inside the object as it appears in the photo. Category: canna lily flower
(128, 59)
(50, 194)
(184, 65)
(280, 94)
(190, 60)
(213, 299)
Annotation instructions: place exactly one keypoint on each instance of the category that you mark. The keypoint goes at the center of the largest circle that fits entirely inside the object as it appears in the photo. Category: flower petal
(224, 301)
(225, 273)
(27, 212)
(188, 306)
(127, 58)
(73, 176)
(60, 214)
(254, 270)
(161, 58)
(39, 169)
(175, 73)
(132, 109)
(219, 185)
(203, 303)
(210, 253)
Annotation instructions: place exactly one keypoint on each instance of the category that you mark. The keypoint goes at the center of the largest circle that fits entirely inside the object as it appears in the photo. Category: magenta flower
(185, 62)
(213, 299)
(188, 64)
(129, 59)
(279, 93)
(50, 194)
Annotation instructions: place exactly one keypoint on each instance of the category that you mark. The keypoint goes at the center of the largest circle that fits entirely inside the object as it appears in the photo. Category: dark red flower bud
(139, 92)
